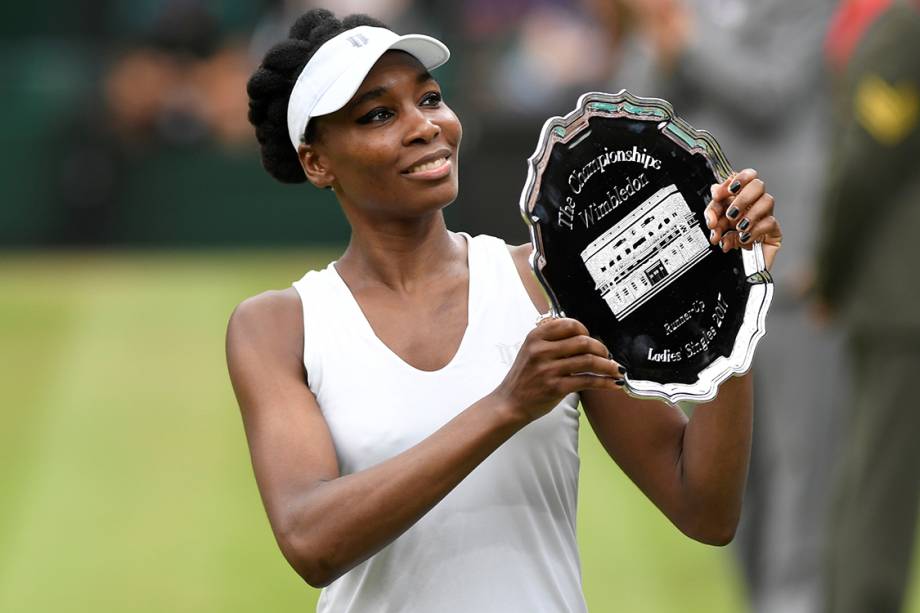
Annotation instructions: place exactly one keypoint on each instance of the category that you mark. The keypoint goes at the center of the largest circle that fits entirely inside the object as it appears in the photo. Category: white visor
(337, 69)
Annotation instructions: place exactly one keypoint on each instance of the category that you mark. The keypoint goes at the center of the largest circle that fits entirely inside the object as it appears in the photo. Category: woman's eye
(431, 99)
(378, 114)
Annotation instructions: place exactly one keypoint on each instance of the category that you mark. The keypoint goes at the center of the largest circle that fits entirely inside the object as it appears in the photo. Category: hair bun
(270, 86)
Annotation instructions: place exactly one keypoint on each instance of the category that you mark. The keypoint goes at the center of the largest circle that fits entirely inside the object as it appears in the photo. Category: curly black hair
(270, 86)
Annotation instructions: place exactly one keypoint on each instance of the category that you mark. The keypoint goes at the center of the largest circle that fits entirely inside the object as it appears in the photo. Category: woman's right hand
(558, 357)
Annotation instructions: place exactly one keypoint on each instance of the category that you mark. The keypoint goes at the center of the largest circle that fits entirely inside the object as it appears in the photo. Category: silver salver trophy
(614, 200)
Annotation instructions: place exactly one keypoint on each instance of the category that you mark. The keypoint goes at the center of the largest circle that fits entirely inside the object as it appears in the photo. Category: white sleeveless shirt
(503, 540)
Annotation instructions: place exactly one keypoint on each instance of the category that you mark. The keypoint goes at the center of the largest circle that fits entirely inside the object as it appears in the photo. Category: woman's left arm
(695, 469)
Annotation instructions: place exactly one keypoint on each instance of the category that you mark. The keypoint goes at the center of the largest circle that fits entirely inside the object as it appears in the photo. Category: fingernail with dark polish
(735, 186)
(620, 381)
(744, 224)
(712, 235)
(733, 212)
(622, 370)
(745, 236)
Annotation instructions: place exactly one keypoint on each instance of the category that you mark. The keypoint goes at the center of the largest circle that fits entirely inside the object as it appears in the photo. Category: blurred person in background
(700, 55)
(280, 15)
(406, 459)
(182, 85)
(543, 69)
(519, 62)
(868, 280)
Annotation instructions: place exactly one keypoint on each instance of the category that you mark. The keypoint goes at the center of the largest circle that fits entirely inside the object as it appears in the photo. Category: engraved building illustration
(646, 251)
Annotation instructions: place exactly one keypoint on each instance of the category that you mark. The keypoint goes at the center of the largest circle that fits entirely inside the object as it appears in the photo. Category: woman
(413, 434)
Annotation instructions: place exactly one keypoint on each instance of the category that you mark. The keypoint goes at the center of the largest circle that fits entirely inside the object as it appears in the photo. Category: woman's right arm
(326, 523)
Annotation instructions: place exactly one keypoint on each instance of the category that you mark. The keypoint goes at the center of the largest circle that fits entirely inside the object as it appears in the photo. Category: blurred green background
(126, 483)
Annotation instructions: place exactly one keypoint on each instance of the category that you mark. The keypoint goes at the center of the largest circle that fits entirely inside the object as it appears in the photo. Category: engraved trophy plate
(614, 200)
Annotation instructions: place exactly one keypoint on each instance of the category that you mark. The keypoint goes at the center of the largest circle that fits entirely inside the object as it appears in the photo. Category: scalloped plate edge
(625, 104)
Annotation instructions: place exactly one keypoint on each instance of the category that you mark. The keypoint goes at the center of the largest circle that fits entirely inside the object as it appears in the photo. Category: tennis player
(413, 433)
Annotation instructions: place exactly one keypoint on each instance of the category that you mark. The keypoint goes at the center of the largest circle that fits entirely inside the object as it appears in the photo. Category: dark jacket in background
(869, 263)
(869, 273)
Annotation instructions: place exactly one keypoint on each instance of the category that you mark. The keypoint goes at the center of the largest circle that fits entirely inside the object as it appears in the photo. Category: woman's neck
(401, 254)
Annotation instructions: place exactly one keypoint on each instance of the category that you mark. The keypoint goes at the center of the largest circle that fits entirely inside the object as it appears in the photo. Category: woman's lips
(435, 169)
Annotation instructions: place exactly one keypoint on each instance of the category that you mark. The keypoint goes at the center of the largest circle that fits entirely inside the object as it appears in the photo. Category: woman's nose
(422, 128)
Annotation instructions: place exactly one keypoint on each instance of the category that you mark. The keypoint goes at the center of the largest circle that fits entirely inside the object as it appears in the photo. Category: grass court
(126, 483)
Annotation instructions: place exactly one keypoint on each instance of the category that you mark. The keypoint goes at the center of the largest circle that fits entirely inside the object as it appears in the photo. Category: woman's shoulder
(270, 304)
(521, 256)
(519, 253)
(268, 322)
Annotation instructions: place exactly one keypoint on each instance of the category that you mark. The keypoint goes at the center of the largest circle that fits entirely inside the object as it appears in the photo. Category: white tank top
(503, 540)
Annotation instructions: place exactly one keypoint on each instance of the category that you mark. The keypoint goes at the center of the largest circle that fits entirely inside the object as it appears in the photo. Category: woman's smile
(434, 166)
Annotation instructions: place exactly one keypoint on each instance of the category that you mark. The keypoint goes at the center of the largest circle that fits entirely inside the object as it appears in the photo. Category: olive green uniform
(869, 274)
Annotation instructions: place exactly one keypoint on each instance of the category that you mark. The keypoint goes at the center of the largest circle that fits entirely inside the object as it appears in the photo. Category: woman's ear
(314, 166)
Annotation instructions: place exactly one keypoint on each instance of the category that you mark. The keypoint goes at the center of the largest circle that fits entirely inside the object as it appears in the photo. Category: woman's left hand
(741, 213)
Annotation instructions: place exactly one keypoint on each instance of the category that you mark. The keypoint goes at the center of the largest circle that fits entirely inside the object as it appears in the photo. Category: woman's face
(392, 149)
